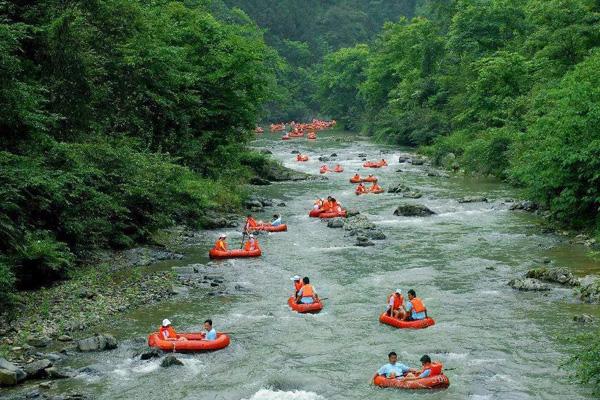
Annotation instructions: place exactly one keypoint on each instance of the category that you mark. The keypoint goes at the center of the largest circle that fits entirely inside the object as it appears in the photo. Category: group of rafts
(398, 314)
(298, 130)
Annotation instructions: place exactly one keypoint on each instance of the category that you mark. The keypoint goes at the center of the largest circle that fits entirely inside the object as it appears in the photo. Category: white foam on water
(267, 394)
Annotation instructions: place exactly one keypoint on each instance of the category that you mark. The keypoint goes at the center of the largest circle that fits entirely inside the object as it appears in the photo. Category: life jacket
(251, 223)
(356, 177)
(333, 205)
(307, 290)
(326, 205)
(434, 367)
(398, 301)
(360, 188)
(221, 245)
(298, 285)
(375, 188)
(249, 247)
(298, 157)
(167, 332)
(417, 305)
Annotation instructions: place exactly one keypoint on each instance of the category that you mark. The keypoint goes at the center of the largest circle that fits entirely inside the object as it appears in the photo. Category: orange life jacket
(251, 223)
(326, 205)
(167, 332)
(398, 301)
(356, 177)
(221, 245)
(375, 187)
(417, 305)
(435, 367)
(307, 290)
(361, 188)
(298, 285)
(248, 245)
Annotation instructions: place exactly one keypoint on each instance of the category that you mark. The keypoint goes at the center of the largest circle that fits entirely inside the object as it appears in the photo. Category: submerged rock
(556, 275)
(169, 361)
(363, 241)
(528, 284)
(335, 223)
(358, 222)
(352, 212)
(526, 205)
(413, 210)
(583, 319)
(473, 199)
(147, 355)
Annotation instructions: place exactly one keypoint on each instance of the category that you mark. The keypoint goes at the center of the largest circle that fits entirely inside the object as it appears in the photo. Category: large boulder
(97, 343)
(589, 290)
(358, 222)
(335, 223)
(214, 220)
(169, 361)
(525, 205)
(10, 374)
(555, 275)
(38, 341)
(473, 199)
(528, 284)
(37, 369)
(413, 210)
(55, 373)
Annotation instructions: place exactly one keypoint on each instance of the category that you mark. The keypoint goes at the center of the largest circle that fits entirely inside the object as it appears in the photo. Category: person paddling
(297, 284)
(211, 333)
(395, 306)
(221, 243)
(306, 294)
(167, 332)
(251, 244)
(415, 309)
(394, 369)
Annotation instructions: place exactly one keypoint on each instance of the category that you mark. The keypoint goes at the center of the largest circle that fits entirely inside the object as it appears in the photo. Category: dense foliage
(500, 87)
(119, 117)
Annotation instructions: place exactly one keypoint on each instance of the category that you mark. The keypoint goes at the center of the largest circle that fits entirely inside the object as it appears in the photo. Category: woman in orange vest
(395, 306)
(251, 244)
(221, 244)
(297, 284)
(306, 294)
(415, 309)
(250, 223)
(167, 332)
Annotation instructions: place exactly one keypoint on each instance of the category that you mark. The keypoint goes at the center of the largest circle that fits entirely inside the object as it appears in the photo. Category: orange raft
(333, 214)
(305, 308)
(301, 157)
(285, 137)
(269, 228)
(236, 253)
(324, 169)
(378, 164)
(311, 136)
(369, 179)
(396, 323)
(356, 180)
(195, 342)
(440, 381)
(338, 168)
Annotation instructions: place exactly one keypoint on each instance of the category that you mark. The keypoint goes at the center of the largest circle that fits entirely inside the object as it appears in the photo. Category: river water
(495, 343)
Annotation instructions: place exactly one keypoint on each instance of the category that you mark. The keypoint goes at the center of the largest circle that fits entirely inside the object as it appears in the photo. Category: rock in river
(528, 284)
(169, 361)
(556, 275)
(97, 343)
(10, 374)
(473, 199)
(413, 210)
(37, 369)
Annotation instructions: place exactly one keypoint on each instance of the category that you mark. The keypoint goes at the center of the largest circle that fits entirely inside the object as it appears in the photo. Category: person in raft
(297, 284)
(361, 188)
(356, 177)
(375, 187)
(394, 369)
(167, 332)
(250, 223)
(371, 178)
(383, 162)
(395, 306)
(415, 309)
(221, 243)
(424, 372)
(211, 333)
(277, 220)
(318, 204)
(306, 294)
(251, 244)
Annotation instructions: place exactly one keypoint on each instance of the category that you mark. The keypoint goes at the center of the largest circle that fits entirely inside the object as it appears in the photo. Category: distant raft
(396, 323)
(237, 253)
(269, 228)
(195, 342)
(313, 308)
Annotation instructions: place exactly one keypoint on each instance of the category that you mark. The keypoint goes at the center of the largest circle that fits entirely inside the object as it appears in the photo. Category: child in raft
(423, 373)
(167, 332)
(251, 244)
(307, 293)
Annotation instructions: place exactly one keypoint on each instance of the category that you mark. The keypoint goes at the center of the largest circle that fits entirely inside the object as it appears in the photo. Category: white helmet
(166, 322)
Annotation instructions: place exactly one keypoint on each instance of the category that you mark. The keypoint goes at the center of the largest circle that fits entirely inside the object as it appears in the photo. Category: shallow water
(495, 343)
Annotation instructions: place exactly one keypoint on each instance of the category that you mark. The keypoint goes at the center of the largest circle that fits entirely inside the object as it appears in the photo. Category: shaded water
(494, 342)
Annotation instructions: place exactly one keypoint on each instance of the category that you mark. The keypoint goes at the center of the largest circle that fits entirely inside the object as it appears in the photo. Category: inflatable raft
(396, 323)
(311, 137)
(305, 308)
(195, 342)
(269, 228)
(324, 169)
(378, 164)
(377, 191)
(370, 179)
(440, 381)
(333, 214)
(356, 180)
(301, 158)
(285, 137)
(338, 169)
(314, 213)
(237, 253)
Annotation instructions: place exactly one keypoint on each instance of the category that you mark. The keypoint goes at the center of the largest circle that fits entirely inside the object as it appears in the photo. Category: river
(495, 343)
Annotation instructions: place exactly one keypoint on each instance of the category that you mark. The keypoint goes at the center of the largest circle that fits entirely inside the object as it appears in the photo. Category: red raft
(269, 228)
(195, 342)
(324, 169)
(378, 164)
(305, 308)
(396, 323)
(338, 169)
(301, 158)
(333, 214)
(356, 180)
(440, 381)
(237, 253)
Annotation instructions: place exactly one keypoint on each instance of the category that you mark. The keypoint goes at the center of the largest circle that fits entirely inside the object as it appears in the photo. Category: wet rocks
(528, 284)
(555, 275)
(214, 220)
(275, 172)
(473, 199)
(417, 161)
(323, 158)
(589, 290)
(437, 174)
(295, 152)
(10, 374)
(256, 181)
(405, 191)
(143, 256)
(100, 342)
(37, 369)
(413, 210)
(583, 319)
(403, 158)
(56, 373)
(253, 204)
(352, 212)
(335, 223)
(150, 354)
(361, 226)
(266, 151)
(362, 155)
(170, 361)
(333, 155)
(525, 205)
(38, 341)
(362, 241)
